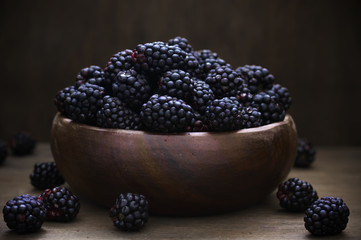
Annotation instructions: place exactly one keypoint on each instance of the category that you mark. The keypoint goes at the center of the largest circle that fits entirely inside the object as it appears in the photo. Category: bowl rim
(65, 120)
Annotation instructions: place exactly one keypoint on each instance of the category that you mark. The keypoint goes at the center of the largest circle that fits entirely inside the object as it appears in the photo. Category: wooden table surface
(336, 172)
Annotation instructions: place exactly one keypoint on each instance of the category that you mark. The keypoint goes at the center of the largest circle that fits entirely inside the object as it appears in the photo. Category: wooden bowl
(183, 174)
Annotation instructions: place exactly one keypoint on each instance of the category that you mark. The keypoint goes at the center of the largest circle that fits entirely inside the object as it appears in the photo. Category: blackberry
(130, 212)
(157, 57)
(208, 60)
(283, 95)
(193, 66)
(305, 153)
(202, 95)
(24, 213)
(166, 114)
(120, 61)
(251, 117)
(258, 78)
(204, 54)
(82, 104)
(3, 151)
(296, 195)
(46, 175)
(198, 124)
(177, 83)
(61, 204)
(224, 114)
(326, 216)
(61, 96)
(182, 43)
(131, 88)
(93, 75)
(224, 82)
(269, 107)
(22, 143)
(113, 113)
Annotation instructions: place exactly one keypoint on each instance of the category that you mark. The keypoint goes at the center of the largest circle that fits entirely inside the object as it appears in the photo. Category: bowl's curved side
(180, 174)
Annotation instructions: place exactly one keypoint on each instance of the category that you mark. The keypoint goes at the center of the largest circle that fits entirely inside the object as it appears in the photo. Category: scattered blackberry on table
(120, 61)
(62, 96)
(93, 75)
(177, 83)
(258, 78)
(3, 151)
(157, 57)
(202, 95)
(305, 153)
(224, 82)
(182, 43)
(82, 104)
(296, 195)
(166, 114)
(224, 114)
(130, 212)
(327, 216)
(113, 113)
(61, 204)
(22, 143)
(131, 88)
(271, 110)
(24, 214)
(46, 175)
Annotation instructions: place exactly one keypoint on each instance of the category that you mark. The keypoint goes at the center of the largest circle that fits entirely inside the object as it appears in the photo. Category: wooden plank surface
(336, 172)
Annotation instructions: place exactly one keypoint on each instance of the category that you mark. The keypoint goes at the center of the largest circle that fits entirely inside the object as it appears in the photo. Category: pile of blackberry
(171, 87)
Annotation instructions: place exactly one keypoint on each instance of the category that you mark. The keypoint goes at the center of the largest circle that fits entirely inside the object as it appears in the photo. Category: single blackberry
(204, 54)
(22, 143)
(61, 204)
(269, 107)
(120, 61)
(157, 57)
(130, 212)
(251, 117)
(24, 213)
(182, 43)
(93, 75)
(82, 104)
(131, 88)
(46, 175)
(202, 95)
(258, 78)
(177, 83)
(164, 113)
(326, 216)
(192, 66)
(62, 96)
(224, 114)
(113, 113)
(284, 97)
(3, 151)
(198, 124)
(224, 82)
(305, 153)
(296, 195)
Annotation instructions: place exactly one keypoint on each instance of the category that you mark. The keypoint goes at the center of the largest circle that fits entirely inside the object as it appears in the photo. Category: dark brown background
(312, 47)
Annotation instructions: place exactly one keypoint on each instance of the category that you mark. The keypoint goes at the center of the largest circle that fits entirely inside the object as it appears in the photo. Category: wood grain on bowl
(183, 174)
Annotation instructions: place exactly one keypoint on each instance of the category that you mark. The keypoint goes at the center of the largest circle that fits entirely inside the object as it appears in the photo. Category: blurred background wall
(312, 47)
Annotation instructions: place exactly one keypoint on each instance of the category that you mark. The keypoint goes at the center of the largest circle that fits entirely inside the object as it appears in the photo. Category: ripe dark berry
(93, 75)
(130, 212)
(305, 153)
(61, 204)
(327, 216)
(22, 143)
(46, 175)
(257, 78)
(296, 195)
(182, 43)
(3, 151)
(271, 110)
(63, 96)
(24, 213)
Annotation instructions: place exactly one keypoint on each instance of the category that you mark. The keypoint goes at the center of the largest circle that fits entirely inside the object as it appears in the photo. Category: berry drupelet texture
(24, 214)
(61, 204)
(251, 117)
(46, 175)
(93, 75)
(296, 195)
(202, 95)
(327, 216)
(113, 113)
(22, 143)
(305, 153)
(258, 78)
(271, 110)
(164, 113)
(63, 96)
(182, 43)
(130, 212)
